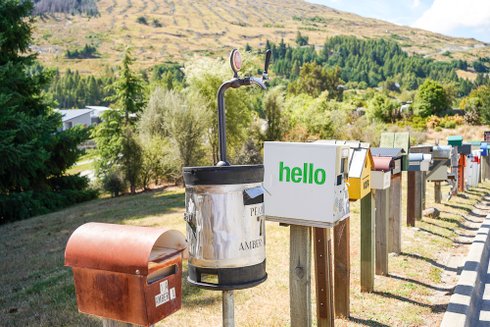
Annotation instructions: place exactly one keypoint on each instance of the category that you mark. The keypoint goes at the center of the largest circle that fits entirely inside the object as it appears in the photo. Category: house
(97, 113)
(74, 117)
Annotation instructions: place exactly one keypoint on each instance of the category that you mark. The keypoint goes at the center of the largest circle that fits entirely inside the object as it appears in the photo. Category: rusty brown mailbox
(126, 273)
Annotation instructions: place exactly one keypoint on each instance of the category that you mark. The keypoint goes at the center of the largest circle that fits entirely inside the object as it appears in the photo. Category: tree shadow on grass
(461, 226)
(444, 236)
(410, 280)
(367, 322)
(435, 308)
(458, 207)
(429, 260)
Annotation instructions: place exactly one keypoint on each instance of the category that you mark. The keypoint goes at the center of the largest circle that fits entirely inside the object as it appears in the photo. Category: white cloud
(445, 16)
(415, 3)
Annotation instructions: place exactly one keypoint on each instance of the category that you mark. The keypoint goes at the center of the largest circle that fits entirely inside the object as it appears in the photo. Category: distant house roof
(69, 114)
(98, 110)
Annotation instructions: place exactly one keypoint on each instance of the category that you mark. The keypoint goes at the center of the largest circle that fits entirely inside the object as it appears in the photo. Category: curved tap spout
(258, 81)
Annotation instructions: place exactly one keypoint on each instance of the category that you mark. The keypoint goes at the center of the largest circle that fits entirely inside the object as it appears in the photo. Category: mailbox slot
(126, 273)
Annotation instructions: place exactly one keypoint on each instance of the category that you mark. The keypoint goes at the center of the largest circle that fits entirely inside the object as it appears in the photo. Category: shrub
(113, 183)
(142, 20)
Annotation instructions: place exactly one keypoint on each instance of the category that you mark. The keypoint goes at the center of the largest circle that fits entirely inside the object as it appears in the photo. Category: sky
(462, 18)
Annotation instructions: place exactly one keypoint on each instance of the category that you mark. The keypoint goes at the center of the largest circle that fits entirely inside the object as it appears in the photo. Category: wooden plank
(323, 274)
(437, 192)
(382, 204)
(411, 196)
(341, 241)
(367, 243)
(418, 194)
(114, 323)
(395, 217)
(300, 276)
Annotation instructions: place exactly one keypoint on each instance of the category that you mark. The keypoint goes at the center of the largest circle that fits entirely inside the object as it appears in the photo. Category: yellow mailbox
(360, 164)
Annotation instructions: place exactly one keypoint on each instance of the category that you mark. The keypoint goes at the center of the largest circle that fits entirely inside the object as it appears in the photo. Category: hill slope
(160, 30)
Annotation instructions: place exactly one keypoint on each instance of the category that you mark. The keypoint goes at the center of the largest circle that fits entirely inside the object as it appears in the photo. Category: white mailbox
(305, 183)
(381, 172)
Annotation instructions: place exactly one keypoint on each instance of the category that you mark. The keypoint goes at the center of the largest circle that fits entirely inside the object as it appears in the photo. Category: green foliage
(113, 183)
(128, 91)
(131, 158)
(382, 108)
(431, 99)
(142, 20)
(363, 61)
(108, 136)
(314, 79)
(87, 52)
(168, 75)
(301, 40)
(33, 151)
(273, 109)
(71, 90)
(160, 162)
(477, 106)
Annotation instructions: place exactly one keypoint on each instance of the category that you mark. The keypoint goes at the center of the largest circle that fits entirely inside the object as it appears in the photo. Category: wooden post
(367, 243)
(382, 204)
(419, 179)
(423, 190)
(341, 239)
(395, 218)
(437, 192)
(411, 198)
(461, 181)
(114, 323)
(300, 276)
(324, 280)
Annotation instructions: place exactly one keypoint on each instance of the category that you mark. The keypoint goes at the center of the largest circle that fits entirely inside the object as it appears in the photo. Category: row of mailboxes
(126, 273)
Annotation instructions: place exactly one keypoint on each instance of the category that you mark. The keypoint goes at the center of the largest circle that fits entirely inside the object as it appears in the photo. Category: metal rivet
(137, 271)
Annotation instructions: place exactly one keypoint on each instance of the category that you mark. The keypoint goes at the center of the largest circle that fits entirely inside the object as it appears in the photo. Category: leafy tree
(382, 108)
(131, 158)
(431, 99)
(314, 79)
(273, 109)
(35, 155)
(301, 39)
(128, 91)
(477, 106)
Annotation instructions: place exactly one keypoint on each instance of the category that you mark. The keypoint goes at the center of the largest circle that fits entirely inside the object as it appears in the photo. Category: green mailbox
(399, 140)
(455, 140)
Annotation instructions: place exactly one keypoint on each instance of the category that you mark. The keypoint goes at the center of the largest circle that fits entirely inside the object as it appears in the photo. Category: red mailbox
(126, 273)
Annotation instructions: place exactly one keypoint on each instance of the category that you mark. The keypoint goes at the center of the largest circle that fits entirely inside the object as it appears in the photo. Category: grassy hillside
(176, 30)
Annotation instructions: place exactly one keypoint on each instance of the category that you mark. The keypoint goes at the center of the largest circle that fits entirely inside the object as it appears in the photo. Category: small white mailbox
(381, 172)
(305, 183)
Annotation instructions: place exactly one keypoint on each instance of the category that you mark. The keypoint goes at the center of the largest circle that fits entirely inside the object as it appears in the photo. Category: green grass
(38, 290)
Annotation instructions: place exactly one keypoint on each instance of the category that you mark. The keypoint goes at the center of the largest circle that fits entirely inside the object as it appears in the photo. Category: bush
(113, 183)
(449, 122)
(142, 20)
(67, 190)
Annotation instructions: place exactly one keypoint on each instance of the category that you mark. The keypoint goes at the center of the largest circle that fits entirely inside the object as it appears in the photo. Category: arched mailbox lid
(121, 248)
(455, 140)
(383, 163)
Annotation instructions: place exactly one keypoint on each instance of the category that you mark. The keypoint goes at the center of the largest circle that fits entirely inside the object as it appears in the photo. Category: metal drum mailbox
(225, 226)
(225, 213)
(305, 183)
(397, 140)
(419, 161)
(126, 273)
(381, 173)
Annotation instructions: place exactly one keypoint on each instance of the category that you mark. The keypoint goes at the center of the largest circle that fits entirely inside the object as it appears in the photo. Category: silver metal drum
(225, 226)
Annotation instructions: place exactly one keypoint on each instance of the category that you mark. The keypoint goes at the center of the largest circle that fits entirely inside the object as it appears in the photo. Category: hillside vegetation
(177, 30)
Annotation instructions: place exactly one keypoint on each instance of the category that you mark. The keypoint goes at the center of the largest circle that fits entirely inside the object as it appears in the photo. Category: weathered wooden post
(399, 145)
(367, 243)
(485, 159)
(305, 188)
(324, 277)
(380, 183)
(437, 192)
(418, 163)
